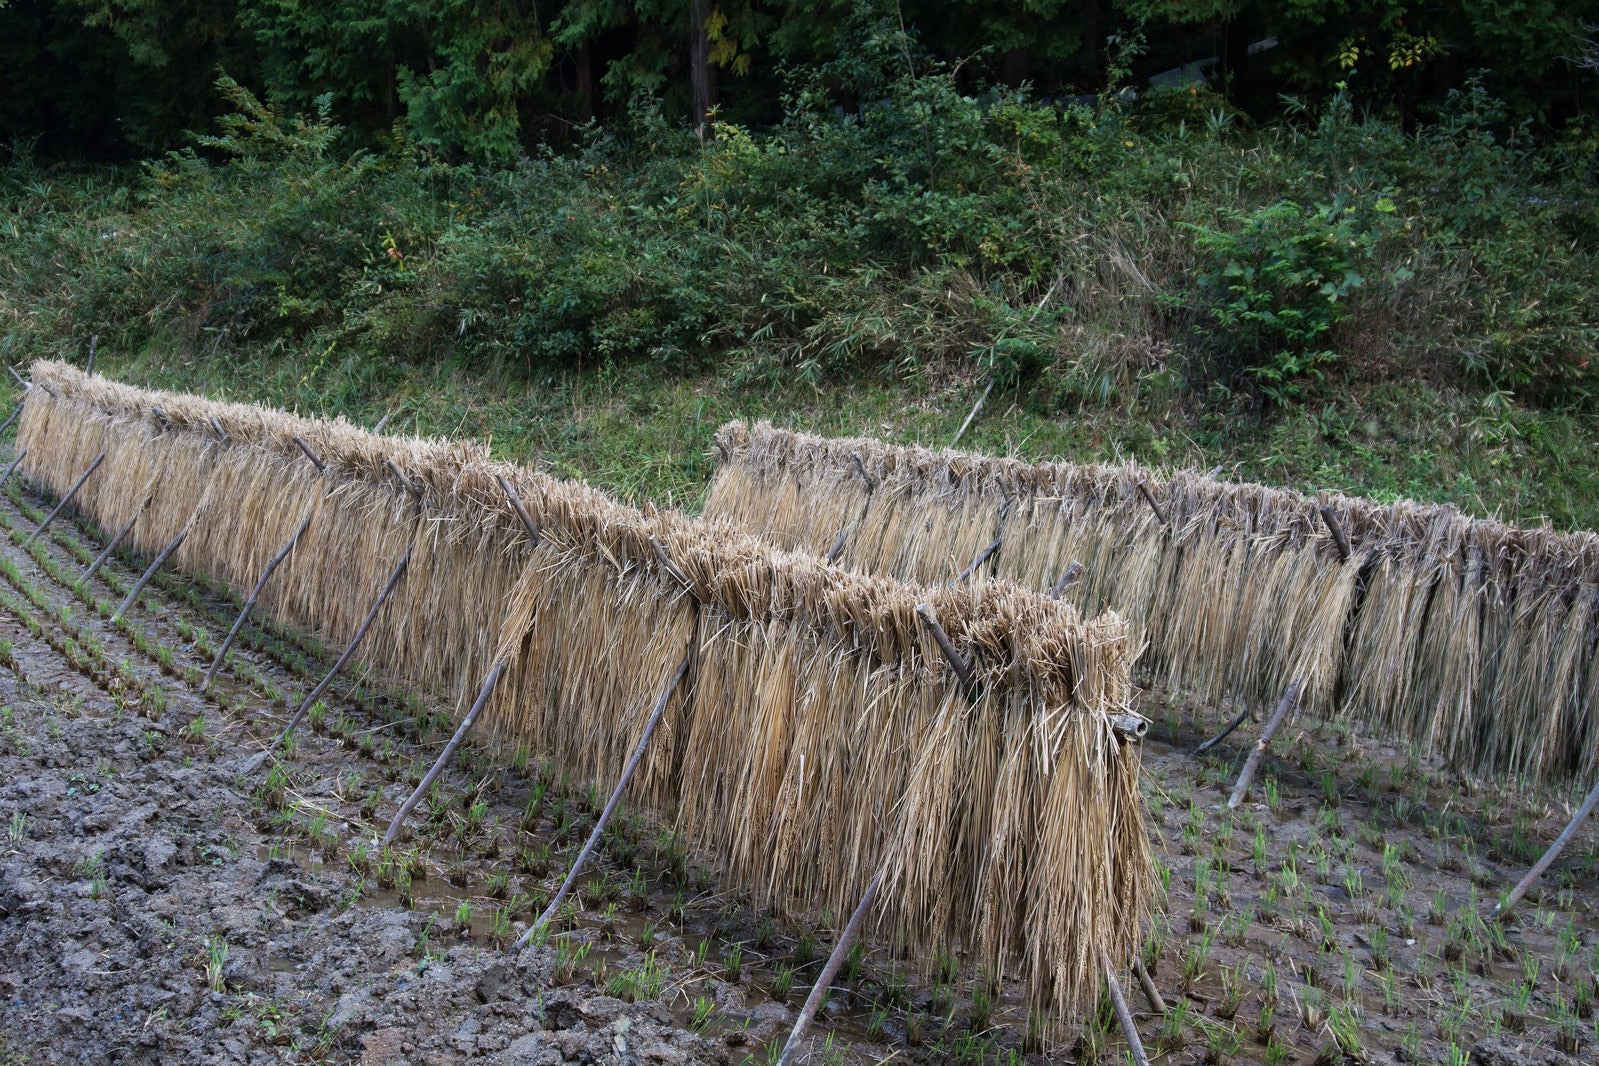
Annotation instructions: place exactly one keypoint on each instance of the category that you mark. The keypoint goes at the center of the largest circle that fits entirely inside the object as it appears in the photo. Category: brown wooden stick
(355, 642)
(88, 367)
(1156, 1001)
(14, 415)
(610, 807)
(73, 491)
(521, 512)
(1287, 703)
(860, 468)
(216, 427)
(10, 469)
(238, 623)
(982, 557)
(1073, 573)
(672, 568)
(309, 454)
(1149, 498)
(963, 669)
(20, 380)
(444, 756)
(138, 586)
(838, 545)
(1337, 531)
(112, 546)
(1123, 1013)
(824, 981)
(1503, 906)
(1219, 737)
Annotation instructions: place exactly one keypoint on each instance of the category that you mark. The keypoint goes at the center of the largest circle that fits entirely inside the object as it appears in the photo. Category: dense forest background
(1335, 243)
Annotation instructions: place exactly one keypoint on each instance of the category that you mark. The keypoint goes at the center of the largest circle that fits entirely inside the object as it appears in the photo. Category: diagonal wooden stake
(610, 807)
(982, 557)
(138, 586)
(1124, 1014)
(1073, 574)
(521, 511)
(309, 454)
(255, 593)
(1289, 701)
(1149, 498)
(112, 546)
(73, 491)
(1329, 516)
(355, 642)
(444, 756)
(824, 981)
(1503, 906)
(963, 669)
(10, 469)
(14, 414)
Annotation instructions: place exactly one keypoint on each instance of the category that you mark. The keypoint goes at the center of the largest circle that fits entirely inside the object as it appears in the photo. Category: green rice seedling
(704, 1008)
(782, 983)
(17, 830)
(733, 962)
(642, 982)
(1232, 993)
(216, 957)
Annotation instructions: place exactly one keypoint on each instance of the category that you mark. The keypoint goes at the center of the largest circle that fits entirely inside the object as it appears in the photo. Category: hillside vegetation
(1328, 297)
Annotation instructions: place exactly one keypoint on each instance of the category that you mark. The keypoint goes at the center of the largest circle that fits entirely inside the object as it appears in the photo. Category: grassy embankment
(1324, 302)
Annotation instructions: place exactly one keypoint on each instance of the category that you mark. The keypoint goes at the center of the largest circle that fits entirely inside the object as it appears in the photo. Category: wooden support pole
(381, 423)
(1149, 498)
(14, 415)
(1123, 1013)
(610, 807)
(860, 468)
(444, 756)
(238, 623)
(144, 579)
(309, 454)
(982, 557)
(355, 642)
(838, 546)
(12, 468)
(20, 380)
(1289, 701)
(1504, 906)
(88, 366)
(963, 669)
(672, 568)
(1157, 1002)
(1329, 516)
(112, 546)
(1073, 573)
(824, 981)
(976, 407)
(73, 491)
(1219, 737)
(216, 427)
(521, 511)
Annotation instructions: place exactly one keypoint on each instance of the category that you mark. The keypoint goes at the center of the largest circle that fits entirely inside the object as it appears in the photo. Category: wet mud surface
(174, 887)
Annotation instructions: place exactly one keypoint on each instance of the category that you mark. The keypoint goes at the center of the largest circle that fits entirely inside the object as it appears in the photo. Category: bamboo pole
(444, 756)
(1073, 574)
(1503, 906)
(355, 642)
(824, 981)
(7, 475)
(521, 511)
(610, 807)
(1219, 737)
(1337, 530)
(73, 491)
(14, 414)
(963, 669)
(112, 546)
(138, 586)
(1124, 1014)
(981, 558)
(249, 603)
(976, 407)
(1287, 703)
(1151, 993)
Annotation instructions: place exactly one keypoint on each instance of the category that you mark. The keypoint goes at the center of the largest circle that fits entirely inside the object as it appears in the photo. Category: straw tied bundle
(821, 738)
(1471, 637)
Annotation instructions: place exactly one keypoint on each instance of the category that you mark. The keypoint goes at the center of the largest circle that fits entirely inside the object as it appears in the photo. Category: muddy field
(176, 888)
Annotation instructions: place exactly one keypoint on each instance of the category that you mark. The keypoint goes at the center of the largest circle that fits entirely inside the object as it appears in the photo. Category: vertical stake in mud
(824, 981)
(444, 757)
(73, 491)
(355, 642)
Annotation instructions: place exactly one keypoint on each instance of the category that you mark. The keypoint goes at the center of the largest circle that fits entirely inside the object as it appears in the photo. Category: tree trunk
(700, 72)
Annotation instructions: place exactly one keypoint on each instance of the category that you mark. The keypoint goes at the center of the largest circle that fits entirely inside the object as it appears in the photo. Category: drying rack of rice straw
(1003, 817)
(1475, 639)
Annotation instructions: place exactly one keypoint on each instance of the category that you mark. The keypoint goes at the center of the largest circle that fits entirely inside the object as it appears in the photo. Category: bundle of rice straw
(822, 736)
(1474, 638)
